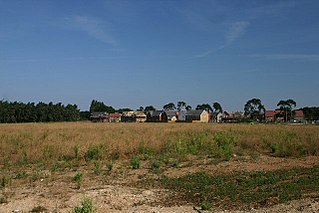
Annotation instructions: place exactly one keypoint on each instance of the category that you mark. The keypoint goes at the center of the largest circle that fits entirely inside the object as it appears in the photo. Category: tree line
(17, 112)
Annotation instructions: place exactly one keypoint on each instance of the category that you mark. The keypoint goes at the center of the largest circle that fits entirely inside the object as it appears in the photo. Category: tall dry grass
(49, 142)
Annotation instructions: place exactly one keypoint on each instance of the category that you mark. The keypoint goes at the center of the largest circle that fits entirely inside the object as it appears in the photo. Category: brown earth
(121, 190)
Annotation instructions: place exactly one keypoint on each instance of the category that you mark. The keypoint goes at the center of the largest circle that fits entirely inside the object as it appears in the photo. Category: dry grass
(22, 144)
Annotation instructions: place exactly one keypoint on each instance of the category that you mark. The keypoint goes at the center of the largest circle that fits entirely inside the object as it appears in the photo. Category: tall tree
(99, 106)
(181, 105)
(217, 107)
(169, 106)
(254, 109)
(206, 107)
(287, 106)
(149, 108)
(188, 107)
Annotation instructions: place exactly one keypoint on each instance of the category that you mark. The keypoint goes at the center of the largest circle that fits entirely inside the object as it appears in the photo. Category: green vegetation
(78, 177)
(135, 163)
(97, 167)
(99, 106)
(245, 189)
(17, 112)
(86, 206)
(3, 182)
(94, 153)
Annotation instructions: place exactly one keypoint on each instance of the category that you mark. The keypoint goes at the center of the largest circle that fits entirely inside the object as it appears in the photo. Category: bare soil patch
(122, 189)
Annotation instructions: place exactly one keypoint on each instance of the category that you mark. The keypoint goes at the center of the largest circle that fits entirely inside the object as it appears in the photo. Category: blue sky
(151, 52)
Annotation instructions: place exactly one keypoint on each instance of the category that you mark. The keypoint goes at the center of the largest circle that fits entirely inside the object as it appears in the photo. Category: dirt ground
(121, 190)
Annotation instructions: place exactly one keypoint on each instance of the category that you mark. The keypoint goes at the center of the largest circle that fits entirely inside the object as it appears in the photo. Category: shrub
(3, 182)
(225, 142)
(78, 177)
(135, 163)
(93, 153)
(109, 167)
(97, 167)
(86, 206)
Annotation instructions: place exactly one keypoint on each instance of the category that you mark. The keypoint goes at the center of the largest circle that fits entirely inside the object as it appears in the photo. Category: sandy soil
(117, 192)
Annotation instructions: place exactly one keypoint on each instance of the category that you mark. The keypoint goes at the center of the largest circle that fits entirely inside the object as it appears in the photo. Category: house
(114, 117)
(298, 116)
(133, 116)
(277, 115)
(172, 116)
(157, 116)
(216, 117)
(99, 117)
(128, 116)
(270, 115)
(140, 117)
(197, 116)
(181, 115)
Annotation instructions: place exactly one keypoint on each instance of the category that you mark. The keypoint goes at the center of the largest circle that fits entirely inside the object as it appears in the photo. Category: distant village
(254, 111)
(202, 116)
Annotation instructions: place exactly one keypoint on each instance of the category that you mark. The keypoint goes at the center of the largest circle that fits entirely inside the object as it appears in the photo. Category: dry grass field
(165, 167)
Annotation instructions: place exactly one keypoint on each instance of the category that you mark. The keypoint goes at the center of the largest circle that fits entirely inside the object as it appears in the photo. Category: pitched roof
(115, 115)
(171, 113)
(299, 113)
(270, 113)
(194, 112)
(98, 114)
(157, 113)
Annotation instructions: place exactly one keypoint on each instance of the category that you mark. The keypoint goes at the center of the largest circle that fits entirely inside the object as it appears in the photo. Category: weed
(78, 177)
(135, 163)
(146, 152)
(225, 142)
(175, 163)
(251, 189)
(93, 153)
(109, 167)
(21, 175)
(205, 205)
(155, 166)
(86, 206)
(97, 167)
(76, 152)
(3, 182)
(47, 152)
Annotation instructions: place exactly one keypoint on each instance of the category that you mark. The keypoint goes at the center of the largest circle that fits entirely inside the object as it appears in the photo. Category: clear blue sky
(136, 53)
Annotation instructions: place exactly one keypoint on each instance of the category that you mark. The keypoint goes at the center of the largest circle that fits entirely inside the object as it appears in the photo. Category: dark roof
(98, 114)
(157, 113)
(194, 112)
(170, 113)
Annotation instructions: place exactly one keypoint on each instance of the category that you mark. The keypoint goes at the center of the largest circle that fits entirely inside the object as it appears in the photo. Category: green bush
(86, 207)
(78, 177)
(97, 167)
(93, 153)
(225, 143)
(135, 163)
(109, 166)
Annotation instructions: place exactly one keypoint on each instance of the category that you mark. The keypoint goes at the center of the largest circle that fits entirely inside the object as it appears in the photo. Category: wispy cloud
(302, 57)
(96, 28)
(235, 31)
